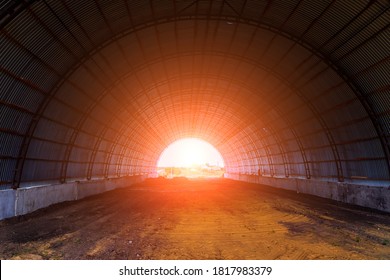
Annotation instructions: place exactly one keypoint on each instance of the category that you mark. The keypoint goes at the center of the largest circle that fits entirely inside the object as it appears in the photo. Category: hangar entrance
(191, 158)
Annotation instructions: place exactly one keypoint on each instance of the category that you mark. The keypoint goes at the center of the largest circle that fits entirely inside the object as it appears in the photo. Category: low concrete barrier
(33, 198)
(7, 203)
(372, 196)
(26, 200)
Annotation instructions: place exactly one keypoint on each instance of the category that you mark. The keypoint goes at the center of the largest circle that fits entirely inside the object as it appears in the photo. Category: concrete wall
(32, 198)
(26, 200)
(7, 203)
(371, 196)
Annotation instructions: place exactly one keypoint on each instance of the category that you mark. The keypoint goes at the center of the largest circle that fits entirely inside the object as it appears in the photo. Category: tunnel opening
(190, 158)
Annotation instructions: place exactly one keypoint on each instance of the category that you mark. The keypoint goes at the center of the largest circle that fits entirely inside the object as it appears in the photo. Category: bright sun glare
(188, 152)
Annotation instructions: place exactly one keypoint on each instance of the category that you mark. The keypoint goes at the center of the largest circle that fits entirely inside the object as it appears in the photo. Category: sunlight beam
(189, 152)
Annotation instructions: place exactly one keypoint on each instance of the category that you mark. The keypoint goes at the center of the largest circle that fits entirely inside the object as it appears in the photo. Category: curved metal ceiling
(93, 89)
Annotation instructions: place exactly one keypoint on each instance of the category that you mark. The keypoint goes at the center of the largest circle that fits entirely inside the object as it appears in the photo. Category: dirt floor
(198, 219)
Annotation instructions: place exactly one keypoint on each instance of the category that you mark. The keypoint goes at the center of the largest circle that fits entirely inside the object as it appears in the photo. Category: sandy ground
(197, 219)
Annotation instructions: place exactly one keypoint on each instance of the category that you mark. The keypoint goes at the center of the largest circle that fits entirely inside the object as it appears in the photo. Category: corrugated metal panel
(293, 88)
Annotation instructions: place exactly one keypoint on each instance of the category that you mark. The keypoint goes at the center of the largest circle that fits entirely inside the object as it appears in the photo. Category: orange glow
(190, 152)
